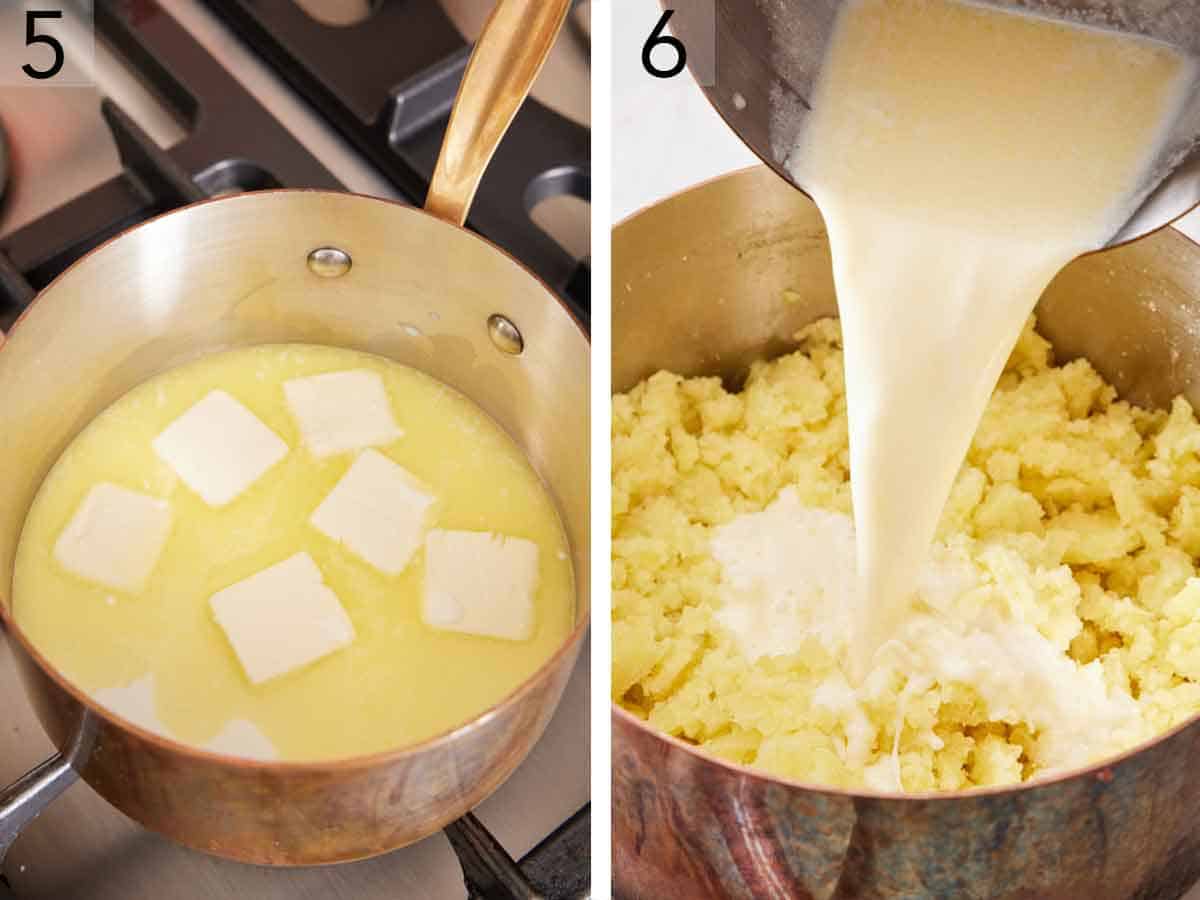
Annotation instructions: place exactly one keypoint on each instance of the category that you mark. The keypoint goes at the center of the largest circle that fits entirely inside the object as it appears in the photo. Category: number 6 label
(691, 43)
(47, 43)
(658, 39)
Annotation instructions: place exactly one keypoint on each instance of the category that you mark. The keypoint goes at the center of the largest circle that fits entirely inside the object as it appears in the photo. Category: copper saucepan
(699, 282)
(323, 268)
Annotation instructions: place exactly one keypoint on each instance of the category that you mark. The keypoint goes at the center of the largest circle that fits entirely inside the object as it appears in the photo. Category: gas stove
(197, 99)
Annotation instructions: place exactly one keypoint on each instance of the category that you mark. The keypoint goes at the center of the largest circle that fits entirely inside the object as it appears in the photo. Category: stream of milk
(961, 155)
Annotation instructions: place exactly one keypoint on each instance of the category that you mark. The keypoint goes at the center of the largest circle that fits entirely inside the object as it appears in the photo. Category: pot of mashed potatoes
(1032, 731)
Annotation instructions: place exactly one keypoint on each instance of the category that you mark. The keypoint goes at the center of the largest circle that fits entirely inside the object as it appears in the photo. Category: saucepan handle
(503, 66)
(26, 798)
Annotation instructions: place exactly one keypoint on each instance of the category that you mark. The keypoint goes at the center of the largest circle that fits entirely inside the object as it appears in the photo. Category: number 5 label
(46, 43)
(32, 37)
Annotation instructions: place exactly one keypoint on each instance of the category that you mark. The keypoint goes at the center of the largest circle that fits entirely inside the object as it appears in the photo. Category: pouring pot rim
(300, 767)
(777, 168)
(1100, 769)
(764, 163)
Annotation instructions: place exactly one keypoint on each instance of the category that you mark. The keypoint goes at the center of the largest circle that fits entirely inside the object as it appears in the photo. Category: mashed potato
(1072, 529)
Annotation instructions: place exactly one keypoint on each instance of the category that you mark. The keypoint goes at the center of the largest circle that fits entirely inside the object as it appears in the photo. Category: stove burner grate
(244, 148)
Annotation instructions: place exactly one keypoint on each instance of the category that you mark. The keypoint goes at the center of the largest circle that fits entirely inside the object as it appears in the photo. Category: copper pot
(323, 268)
(698, 284)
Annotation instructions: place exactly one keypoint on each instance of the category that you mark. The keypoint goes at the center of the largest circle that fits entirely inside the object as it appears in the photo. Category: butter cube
(219, 448)
(480, 583)
(241, 737)
(376, 511)
(136, 702)
(282, 618)
(115, 537)
(341, 411)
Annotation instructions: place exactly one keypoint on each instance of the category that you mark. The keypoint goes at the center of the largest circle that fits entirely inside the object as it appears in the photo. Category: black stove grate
(242, 148)
(559, 868)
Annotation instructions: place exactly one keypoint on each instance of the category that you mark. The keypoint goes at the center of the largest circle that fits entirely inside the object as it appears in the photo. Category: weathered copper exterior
(685, 825)
(233, 272)
(698, 289)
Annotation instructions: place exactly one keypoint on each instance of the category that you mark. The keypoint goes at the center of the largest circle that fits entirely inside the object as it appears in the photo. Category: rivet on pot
(505, 335)
(329, 262)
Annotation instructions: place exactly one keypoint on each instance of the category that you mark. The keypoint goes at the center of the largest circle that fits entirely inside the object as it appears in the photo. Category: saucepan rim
(1100, 769)
(382, 758)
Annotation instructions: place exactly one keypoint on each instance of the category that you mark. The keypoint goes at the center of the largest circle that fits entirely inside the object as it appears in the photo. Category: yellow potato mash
(157, 651)
(1074, 521)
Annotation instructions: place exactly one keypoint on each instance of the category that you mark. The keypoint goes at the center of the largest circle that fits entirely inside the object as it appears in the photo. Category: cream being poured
(961, 155)
(787, 575)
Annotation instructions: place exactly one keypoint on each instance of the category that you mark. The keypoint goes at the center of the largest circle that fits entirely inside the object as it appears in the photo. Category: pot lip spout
(1101, 770)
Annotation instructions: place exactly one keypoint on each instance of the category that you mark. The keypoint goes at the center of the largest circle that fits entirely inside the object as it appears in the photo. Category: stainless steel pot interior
(710, 299)
(235, 272)
(758, 61)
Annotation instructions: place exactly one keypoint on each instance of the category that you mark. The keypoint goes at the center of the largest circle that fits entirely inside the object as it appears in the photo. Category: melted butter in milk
(961, 156)
(158, 657)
